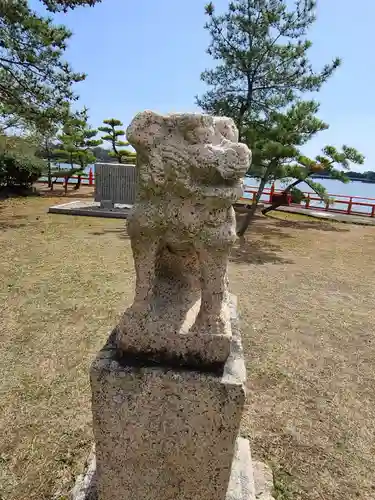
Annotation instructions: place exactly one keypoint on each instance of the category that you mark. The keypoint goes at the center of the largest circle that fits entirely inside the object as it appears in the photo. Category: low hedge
(18, 169)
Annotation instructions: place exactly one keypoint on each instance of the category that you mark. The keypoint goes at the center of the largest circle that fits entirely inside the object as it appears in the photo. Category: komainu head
(187, 152)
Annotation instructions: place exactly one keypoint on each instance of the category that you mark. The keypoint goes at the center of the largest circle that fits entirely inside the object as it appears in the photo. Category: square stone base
(169, 433)
(241, 484)
(164, 432)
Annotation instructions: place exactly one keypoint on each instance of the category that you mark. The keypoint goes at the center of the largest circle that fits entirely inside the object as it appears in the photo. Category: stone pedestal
(168, 388)
(162, 432)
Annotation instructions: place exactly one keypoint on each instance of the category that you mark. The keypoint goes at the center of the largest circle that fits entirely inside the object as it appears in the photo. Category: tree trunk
(276, 205)
(49, 174)
(250, 215)
(78, 185)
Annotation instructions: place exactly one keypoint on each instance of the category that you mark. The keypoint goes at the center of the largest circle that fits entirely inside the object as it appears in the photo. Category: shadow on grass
(17, 192)
(70, 195)
(12, 221)
(318, 225)
(120, 232)
(258, 250)
(6, 225)
(260, 244)
(247, 251)
(266, 230)
(17, 222)
(263, 239)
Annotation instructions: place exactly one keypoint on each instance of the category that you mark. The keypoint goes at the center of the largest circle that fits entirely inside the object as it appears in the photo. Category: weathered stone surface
(263, 480)
(182, 227)
(241, 483)
(85, 487)
(168, 389)
(165, 433)
(248, 480)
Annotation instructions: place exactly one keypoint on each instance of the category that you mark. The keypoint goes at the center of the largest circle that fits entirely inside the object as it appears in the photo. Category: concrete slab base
(249, 480)
(91, 209)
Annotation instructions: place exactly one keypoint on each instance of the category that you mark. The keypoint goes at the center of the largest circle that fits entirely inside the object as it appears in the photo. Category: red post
(272, 190)
(308, 201)
(350, 205)
(91, 177)
(373, 211)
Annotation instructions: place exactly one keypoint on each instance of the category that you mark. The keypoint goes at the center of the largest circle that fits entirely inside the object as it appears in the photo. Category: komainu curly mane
(182, 226)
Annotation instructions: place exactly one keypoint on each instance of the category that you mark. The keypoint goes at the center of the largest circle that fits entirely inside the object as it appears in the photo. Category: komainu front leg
(134, 318)
(213, 316)
(144, 253)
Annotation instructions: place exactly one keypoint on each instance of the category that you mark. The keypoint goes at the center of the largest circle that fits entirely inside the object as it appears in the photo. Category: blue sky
(149, 55)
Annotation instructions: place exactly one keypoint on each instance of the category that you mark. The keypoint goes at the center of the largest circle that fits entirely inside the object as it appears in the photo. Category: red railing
(86, 180)
(349, 202)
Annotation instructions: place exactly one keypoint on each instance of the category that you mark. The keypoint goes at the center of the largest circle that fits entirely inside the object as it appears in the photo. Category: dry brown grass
(63, 282)
(306, 296)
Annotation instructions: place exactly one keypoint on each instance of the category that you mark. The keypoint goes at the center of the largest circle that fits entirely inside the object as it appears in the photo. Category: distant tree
(370, 176)
(262, 56)
(102, 154)
(329, 161)
(112, 136)
(35, 81)
(76, 144)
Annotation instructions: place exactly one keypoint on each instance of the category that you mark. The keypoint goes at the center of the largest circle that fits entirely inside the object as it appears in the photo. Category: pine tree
(262, 56)
(65, 5)
(332, 162)
(76, 143)
(263, 70)
(112, 136)
(35, 81)
(45, 141)
(276, 142)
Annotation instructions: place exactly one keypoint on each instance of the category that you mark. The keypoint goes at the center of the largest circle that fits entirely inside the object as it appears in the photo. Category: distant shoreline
(352, 179)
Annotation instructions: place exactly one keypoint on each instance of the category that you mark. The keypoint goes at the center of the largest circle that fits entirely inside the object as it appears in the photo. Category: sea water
(334, 187)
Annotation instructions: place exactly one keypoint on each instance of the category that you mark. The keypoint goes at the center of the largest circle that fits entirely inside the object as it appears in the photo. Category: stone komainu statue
(182, 226)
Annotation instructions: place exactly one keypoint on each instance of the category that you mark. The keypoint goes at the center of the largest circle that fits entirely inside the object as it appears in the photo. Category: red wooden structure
(350, 203)
(284, 199)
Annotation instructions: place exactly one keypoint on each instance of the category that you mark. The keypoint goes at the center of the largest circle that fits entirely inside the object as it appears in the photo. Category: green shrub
(19, 167)
(17, 170)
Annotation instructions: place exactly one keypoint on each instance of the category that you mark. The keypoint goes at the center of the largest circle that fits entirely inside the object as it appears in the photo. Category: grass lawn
(306, 294)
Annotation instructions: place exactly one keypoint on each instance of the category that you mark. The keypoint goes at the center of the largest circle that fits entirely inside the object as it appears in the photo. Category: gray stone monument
(168, 388)
(115, 184)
